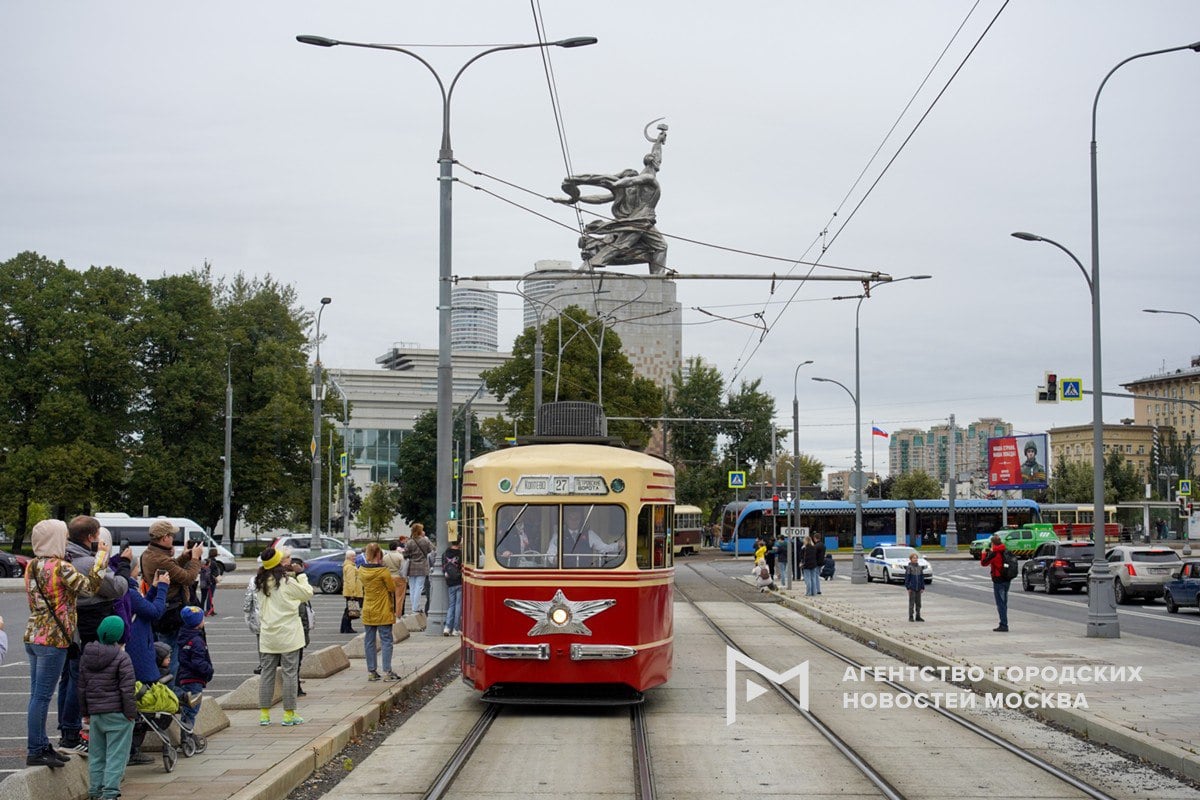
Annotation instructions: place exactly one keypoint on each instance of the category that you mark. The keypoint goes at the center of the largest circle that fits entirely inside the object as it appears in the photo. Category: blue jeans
(416, 587)
(454, 608)
(70, 721)
(385, 638)
(1000, 591)
(188, 713)
(45, 668)
(108, 752)
(812, 581)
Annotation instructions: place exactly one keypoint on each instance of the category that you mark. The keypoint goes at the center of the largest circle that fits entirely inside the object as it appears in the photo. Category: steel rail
(641, 753)
(1024, 755)
(441, 784)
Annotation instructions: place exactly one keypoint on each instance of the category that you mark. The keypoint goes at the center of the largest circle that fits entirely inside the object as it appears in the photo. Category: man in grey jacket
(83, 534)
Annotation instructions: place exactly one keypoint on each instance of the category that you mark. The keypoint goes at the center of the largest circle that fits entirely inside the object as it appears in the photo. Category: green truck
(1022, 541)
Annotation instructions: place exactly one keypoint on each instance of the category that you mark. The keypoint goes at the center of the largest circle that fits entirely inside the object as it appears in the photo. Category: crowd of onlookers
(120, 639)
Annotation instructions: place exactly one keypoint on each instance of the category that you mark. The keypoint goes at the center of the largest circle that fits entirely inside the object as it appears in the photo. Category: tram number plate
(561, 484)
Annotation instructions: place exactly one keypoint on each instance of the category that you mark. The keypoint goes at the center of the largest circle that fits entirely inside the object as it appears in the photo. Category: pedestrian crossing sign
(737, 479)
(1185, 488)
(1071, 388)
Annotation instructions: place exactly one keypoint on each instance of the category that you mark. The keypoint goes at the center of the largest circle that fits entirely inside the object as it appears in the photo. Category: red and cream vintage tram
(567, 572)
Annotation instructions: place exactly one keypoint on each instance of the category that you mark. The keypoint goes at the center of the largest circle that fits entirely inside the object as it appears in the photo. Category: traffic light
(454, 511)
(1184, 506)
(1049, 392)
(775, 505)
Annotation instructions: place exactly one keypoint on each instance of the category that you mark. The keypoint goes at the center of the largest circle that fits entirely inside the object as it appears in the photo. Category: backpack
(453, 569)
(1010, 569)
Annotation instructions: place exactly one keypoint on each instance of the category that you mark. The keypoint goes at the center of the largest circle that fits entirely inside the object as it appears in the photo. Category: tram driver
(583, 547)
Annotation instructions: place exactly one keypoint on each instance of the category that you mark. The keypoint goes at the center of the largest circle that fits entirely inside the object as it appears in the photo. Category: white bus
(135, 532)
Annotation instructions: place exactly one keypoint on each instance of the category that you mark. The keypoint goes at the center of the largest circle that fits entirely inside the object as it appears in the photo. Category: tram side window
(593, 536)
(654, 546)
(471, 533)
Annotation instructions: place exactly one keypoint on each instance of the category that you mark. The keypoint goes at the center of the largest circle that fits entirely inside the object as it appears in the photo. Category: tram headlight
(560, 615)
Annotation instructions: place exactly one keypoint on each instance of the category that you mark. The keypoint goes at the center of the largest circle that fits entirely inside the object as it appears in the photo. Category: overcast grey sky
(153, 137)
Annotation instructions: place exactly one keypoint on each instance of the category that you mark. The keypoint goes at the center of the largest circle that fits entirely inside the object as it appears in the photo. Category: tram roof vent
(571, 418)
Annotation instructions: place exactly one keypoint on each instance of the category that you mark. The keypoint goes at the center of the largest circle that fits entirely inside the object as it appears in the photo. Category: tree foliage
(1072, 481)
(378, 508)
(916, 485)
(578, 348)
(112, 394)
(417, 461)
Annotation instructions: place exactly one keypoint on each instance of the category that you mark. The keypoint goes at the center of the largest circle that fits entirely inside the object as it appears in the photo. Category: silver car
(1141, 571)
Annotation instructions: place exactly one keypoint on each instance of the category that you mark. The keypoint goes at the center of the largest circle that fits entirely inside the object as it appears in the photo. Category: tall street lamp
(227, 489)
(795, 517)
(858, 568)
(344, 466)
(1187, 542)
(1102, 609)
(445, 278)
(318, 392)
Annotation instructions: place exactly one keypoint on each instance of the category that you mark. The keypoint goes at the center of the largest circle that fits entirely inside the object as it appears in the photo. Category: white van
(135, 532)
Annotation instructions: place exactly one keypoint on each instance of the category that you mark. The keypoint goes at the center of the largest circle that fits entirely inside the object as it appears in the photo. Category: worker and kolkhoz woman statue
(630, 237)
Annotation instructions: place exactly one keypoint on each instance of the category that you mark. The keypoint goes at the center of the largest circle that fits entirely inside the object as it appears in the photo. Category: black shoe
(910, 619)
(301, 693)
(919, 619)
(137, 759)
(258, 670)
(46, 758)
(1000, 629)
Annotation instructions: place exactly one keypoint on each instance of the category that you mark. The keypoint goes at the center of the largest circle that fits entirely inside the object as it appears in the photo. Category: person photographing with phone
(183, 571)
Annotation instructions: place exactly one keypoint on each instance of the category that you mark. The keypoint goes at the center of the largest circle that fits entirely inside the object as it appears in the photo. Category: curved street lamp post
(318, 391)
(1102, 607)
(438, 599)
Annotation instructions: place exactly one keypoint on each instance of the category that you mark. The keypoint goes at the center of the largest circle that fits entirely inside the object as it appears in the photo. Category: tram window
(593, 537)
(524, 534)
(654, 549)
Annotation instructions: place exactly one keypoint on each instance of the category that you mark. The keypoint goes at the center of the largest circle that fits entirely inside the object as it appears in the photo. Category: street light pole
(795, 506)
(345, 451)
(445, 376)
(314, 542)
(1102, 607)
(227, 489)
(858, 569)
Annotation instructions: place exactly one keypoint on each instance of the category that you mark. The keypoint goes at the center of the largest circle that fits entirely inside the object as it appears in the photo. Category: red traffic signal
(775, 504)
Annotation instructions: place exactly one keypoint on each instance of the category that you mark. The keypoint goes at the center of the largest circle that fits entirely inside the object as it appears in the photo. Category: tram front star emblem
(558, 614)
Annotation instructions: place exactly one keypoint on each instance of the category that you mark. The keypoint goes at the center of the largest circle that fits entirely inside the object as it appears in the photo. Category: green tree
(1072, 482)
(692, 446)
(570, 367)
(916, 485)
(378, 508)
(751, 439)
(417, 460)
(65, 386)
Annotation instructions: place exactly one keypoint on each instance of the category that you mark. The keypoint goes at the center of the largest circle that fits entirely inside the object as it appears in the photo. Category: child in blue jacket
(195, 665)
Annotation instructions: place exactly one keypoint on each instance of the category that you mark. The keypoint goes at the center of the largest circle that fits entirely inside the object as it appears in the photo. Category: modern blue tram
(915, 522)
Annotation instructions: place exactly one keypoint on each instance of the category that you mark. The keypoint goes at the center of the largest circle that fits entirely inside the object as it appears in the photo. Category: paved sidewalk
(247, 762)
(1153, 717)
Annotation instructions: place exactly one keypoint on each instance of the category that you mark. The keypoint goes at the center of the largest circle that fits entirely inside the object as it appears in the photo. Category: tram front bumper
(579, 652)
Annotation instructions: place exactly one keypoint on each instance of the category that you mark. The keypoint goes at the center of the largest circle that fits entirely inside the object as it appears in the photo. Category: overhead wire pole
(445, 375)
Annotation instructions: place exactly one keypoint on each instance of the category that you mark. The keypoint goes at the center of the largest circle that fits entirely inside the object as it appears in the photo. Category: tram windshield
(555, 536)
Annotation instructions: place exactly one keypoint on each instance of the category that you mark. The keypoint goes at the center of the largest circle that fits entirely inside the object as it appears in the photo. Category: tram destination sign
(561, 484)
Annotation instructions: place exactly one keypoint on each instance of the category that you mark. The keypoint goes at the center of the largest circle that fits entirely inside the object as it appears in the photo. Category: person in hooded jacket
(993, 557)
(379, 611)
(52, 585)
(352, 589)
(106, 696)
(280, 590)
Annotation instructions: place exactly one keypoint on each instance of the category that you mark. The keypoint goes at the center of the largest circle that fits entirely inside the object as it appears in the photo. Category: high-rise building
(473, 319)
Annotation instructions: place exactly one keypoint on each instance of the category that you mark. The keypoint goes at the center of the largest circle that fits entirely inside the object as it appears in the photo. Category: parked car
(887, 562)
(22, 564)
(1141, 571)
(1022, 541)
(10, 566)
(303, 541)
(325, 573)
(1055, 565)
(1183, 590)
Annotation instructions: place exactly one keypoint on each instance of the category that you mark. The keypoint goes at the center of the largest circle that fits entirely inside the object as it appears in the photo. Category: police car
(888, 562)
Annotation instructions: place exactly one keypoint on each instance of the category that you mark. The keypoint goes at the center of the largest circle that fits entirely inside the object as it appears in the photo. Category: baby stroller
(158, 707)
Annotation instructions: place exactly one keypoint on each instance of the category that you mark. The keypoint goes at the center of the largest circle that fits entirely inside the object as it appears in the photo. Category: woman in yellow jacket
(379, 611)
(352, 589)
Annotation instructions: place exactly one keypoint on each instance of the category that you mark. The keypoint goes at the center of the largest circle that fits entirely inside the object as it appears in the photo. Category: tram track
(443, 783)
(859, 761)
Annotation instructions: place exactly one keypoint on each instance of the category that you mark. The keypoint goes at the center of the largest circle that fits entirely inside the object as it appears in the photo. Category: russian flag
(878, 432)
